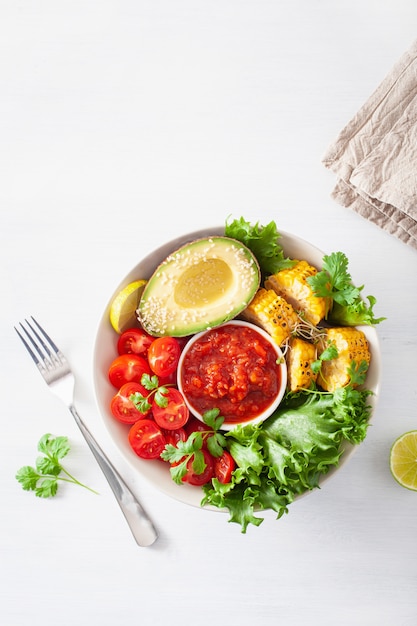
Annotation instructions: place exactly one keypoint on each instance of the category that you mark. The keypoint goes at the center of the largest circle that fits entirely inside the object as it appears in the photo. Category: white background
(124, 124)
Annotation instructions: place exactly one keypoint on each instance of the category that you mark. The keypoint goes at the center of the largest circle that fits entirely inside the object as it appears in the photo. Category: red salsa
(232, 368)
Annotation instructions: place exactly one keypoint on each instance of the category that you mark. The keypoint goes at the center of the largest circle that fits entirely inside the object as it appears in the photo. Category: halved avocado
(200, 285)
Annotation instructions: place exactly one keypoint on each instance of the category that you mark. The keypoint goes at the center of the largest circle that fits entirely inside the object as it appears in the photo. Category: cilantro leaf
(161, 397)
(159, 392)
(180, 454)
(327, 355)
(27, 476)
(213, 418)
(46, 488)
(140, 401)
(149, 382)
(43, 478)
(334, 280)
(54, 447)
(335, 283)
(216, 444)
(178, 472)
(357, 372)
(184, 452)
(198, 462)
(46, 465)
(263, 241)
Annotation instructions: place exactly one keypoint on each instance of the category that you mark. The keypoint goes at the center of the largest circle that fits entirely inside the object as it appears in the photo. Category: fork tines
(40, 346)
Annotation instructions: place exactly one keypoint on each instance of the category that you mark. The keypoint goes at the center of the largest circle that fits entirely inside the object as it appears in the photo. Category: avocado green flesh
(200, 285)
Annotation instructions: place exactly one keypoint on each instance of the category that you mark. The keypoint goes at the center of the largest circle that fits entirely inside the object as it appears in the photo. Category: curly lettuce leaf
(355, 314)
(288, 454)
(263, 241)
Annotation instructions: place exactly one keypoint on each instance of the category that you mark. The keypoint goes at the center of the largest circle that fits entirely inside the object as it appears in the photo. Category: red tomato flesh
(146, 439)
(163, 356)
(223, 467)
(134, 341)
(174, 436)
(207, 474)
(175, 414)
(127, 368)
(122, 407)
(234, 369)
(194, 424)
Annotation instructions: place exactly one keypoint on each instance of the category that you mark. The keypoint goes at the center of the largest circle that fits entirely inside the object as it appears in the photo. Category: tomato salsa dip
(236, 368)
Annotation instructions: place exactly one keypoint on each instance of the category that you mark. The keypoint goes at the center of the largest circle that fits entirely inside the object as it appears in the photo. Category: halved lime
(403, 460)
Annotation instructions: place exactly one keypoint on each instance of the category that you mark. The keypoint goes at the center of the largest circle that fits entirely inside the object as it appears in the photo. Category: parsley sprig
(328, 354)
(43, 478)
(335, 282)
(159, 392)
(190, 450)
(357, 372)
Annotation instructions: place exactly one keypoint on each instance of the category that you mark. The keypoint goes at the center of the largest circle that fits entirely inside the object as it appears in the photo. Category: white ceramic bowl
(281, 367)
(155, 472)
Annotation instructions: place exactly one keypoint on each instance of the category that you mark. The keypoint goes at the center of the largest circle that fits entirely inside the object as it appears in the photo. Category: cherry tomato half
(146, 439)
(134, 341)
(163, 356)
(207, 474)
(223, 467)
(127, 368)
(122, 407)
(175, 414)
(194, 424)
(174, 436)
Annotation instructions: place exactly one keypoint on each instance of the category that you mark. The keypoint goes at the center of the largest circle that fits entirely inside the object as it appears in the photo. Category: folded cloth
(375, 155)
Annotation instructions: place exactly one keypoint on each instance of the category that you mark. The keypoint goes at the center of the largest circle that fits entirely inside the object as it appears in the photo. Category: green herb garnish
(327, 355)
(335, 282)
(190, 449)
(159, 392)
(43, 478)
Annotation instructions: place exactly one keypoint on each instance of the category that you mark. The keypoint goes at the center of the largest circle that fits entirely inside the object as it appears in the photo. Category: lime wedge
(123, 307)
(403, 460)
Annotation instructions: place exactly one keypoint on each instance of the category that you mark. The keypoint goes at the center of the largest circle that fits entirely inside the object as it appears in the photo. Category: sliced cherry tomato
(127, 368)
(134, 341)
(122, 407)
(194, 424)
(223, 467)
(174, 436)
(168, 380)
(175, 414)
(207, 474)
(146, 439)
(163, 356)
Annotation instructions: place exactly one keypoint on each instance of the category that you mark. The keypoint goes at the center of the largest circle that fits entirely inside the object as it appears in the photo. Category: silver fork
(57, 373)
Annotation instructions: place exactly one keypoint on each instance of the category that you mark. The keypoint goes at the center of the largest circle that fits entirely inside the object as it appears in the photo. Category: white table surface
(124, 124)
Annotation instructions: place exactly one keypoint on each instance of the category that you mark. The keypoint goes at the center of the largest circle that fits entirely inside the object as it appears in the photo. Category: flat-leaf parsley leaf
(159, 392)
(43, 478)
(180, 454)
(335, 282)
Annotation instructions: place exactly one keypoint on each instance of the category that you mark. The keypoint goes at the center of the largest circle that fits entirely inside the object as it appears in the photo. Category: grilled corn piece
(272, 313)
(292, 285)
(299, 357)
(351, 345)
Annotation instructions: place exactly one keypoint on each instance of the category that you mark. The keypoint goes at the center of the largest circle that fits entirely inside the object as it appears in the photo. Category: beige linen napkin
(375, 155)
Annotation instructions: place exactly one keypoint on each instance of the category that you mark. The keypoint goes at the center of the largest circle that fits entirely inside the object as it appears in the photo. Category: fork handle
(140, 524)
